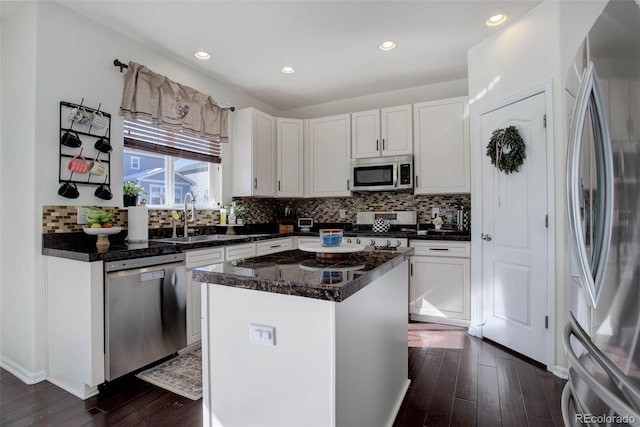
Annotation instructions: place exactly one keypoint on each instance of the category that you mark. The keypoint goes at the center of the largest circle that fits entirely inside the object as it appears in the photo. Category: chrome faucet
(193, 211)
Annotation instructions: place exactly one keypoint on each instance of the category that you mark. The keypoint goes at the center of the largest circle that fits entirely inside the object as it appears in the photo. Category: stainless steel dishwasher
(145, 312)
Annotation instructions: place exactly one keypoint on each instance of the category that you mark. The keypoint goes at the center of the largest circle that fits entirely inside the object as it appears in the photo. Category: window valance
(154, 98)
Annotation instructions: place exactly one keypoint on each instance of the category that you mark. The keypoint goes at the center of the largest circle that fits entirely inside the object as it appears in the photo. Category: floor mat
(181, 375)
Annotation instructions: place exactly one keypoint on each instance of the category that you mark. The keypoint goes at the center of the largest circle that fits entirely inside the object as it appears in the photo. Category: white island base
(333, 364)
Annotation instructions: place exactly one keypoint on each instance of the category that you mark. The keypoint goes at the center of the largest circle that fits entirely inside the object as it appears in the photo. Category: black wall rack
(88, 135)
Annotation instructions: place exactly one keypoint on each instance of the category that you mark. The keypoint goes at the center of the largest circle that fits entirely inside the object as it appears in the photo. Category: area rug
(181, 375)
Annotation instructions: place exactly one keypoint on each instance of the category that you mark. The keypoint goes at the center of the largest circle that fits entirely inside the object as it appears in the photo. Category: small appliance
(305, 224)
(382, 174)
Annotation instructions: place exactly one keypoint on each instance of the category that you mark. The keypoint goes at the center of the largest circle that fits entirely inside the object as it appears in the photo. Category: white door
(514, 246)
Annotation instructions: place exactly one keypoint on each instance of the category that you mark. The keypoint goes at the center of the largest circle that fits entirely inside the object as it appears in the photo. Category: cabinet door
(329, 156)
(440, 287)
(441, 147)
(253, 159)
(264, 155)
(194, 310)
(290, 158)
(365, 134)
(397, 135)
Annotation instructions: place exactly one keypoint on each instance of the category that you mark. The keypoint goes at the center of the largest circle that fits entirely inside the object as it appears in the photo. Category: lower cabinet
(440, 282)
(198, 258)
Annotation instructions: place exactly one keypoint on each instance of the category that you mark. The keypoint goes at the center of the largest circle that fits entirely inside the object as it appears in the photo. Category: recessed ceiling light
(387, 45)
(496, 20)
(201, 54)
(287, 70)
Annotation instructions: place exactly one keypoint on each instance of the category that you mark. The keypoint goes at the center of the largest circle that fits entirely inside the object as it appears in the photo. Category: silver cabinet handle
(348, 185)
(486, 237)
(377, 145)
(255, 182)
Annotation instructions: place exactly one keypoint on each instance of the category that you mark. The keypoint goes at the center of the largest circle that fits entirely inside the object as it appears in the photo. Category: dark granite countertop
(82, 247)
(299, 273)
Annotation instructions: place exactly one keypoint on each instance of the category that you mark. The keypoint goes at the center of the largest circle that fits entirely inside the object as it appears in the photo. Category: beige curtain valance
(154, 98)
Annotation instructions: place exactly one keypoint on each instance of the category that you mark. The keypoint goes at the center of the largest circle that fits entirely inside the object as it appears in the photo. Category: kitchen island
(289, 340)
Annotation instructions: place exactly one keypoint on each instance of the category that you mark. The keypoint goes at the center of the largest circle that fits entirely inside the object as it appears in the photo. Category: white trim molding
(21, 373)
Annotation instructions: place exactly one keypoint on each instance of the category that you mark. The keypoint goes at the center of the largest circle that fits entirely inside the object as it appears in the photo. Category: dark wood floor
(456, 380)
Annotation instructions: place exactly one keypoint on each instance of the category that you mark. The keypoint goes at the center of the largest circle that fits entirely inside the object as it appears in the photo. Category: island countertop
(298, 273)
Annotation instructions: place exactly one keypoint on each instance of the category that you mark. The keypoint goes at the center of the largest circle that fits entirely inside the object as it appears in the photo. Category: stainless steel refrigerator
(602, 338)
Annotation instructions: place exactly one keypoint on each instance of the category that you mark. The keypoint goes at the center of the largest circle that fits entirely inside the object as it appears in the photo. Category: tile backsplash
(63, 219)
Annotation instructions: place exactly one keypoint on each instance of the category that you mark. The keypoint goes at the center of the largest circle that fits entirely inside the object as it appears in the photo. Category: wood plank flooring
(459, 380)
(456, 380)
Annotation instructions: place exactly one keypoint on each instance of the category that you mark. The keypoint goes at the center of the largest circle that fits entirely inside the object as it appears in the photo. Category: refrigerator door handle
(627, 387)
(591, 273)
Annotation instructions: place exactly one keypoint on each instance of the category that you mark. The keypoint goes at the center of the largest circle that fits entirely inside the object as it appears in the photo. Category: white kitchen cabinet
(385, 132)
(290, 157)
(329, 156)
(272, 246)
(75, 325)
(440, 282)
(198, 258)
(441, 146)
(253, 144)
(243, 250)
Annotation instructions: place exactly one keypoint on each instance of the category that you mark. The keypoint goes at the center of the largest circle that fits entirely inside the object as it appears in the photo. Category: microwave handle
(396, 171)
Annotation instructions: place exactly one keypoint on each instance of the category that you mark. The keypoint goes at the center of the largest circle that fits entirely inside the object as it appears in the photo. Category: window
(168, 173)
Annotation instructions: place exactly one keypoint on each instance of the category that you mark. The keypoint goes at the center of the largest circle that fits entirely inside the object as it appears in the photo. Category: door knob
(486, 237)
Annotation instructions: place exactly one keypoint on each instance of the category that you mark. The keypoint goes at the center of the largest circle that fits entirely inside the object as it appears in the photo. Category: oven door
(374, 177)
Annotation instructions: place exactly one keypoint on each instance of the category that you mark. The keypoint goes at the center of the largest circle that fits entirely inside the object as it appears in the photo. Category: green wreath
(506, 149)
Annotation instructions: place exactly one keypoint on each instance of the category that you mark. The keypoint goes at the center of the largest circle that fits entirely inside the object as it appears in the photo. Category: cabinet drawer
(439, 248)
(239, 251)
(272, 246)
(306, 240)
(200, 258)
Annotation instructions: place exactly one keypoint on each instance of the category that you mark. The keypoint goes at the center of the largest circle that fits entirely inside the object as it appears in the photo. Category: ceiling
(333, 45)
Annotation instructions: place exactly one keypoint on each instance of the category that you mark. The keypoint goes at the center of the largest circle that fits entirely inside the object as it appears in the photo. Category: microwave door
(373, 176)
(590, 185)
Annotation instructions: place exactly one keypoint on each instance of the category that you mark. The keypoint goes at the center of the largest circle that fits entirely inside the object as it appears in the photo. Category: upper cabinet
(290, 157)
(385, 132)
(441, 146)
(329, 156)
(254, 153)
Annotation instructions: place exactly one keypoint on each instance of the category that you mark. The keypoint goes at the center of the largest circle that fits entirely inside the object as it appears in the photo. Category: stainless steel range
(401, 223)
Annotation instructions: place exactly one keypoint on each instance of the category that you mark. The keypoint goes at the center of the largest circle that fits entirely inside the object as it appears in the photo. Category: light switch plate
(262, 334)
(82, 215)
(342, 213)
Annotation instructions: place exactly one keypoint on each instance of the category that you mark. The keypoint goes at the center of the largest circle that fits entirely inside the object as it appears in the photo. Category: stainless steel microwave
(382, 174)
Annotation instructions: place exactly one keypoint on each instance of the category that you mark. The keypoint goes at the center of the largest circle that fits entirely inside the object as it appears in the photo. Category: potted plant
(236, 212)
(131, 191)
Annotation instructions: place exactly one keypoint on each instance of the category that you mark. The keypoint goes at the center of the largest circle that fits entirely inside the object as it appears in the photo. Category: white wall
(49, 54)
(22, 293)
(535, 49)
(412, 95)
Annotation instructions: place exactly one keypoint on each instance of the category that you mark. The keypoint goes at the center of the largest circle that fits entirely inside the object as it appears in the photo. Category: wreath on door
(506, 149)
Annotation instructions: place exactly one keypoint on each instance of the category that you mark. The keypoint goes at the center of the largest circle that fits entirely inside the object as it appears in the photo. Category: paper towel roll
(138, 224)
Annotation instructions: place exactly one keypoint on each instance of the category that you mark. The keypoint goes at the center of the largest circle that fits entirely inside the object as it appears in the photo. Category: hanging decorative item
(506, 149)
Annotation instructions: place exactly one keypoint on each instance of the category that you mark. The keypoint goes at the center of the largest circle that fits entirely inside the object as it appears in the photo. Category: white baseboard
(82, 394)
(560, 372)
(475, 331)
(21, 373)
(398, 403)
(438, 319)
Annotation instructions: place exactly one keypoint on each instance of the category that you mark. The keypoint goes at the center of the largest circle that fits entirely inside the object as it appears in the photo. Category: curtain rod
(122, 65)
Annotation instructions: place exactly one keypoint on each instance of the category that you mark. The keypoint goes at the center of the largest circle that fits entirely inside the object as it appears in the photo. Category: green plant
(237, 209)
(132, 188)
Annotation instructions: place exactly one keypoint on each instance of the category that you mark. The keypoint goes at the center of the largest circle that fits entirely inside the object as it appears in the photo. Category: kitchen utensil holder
(88, 134)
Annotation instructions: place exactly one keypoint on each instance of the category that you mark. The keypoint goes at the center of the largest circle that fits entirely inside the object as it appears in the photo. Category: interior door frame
(477, 153)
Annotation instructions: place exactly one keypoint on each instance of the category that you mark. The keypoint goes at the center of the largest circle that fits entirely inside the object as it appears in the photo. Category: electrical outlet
(435, 212)
(262, 334)
(82, 215)
(343, 213)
